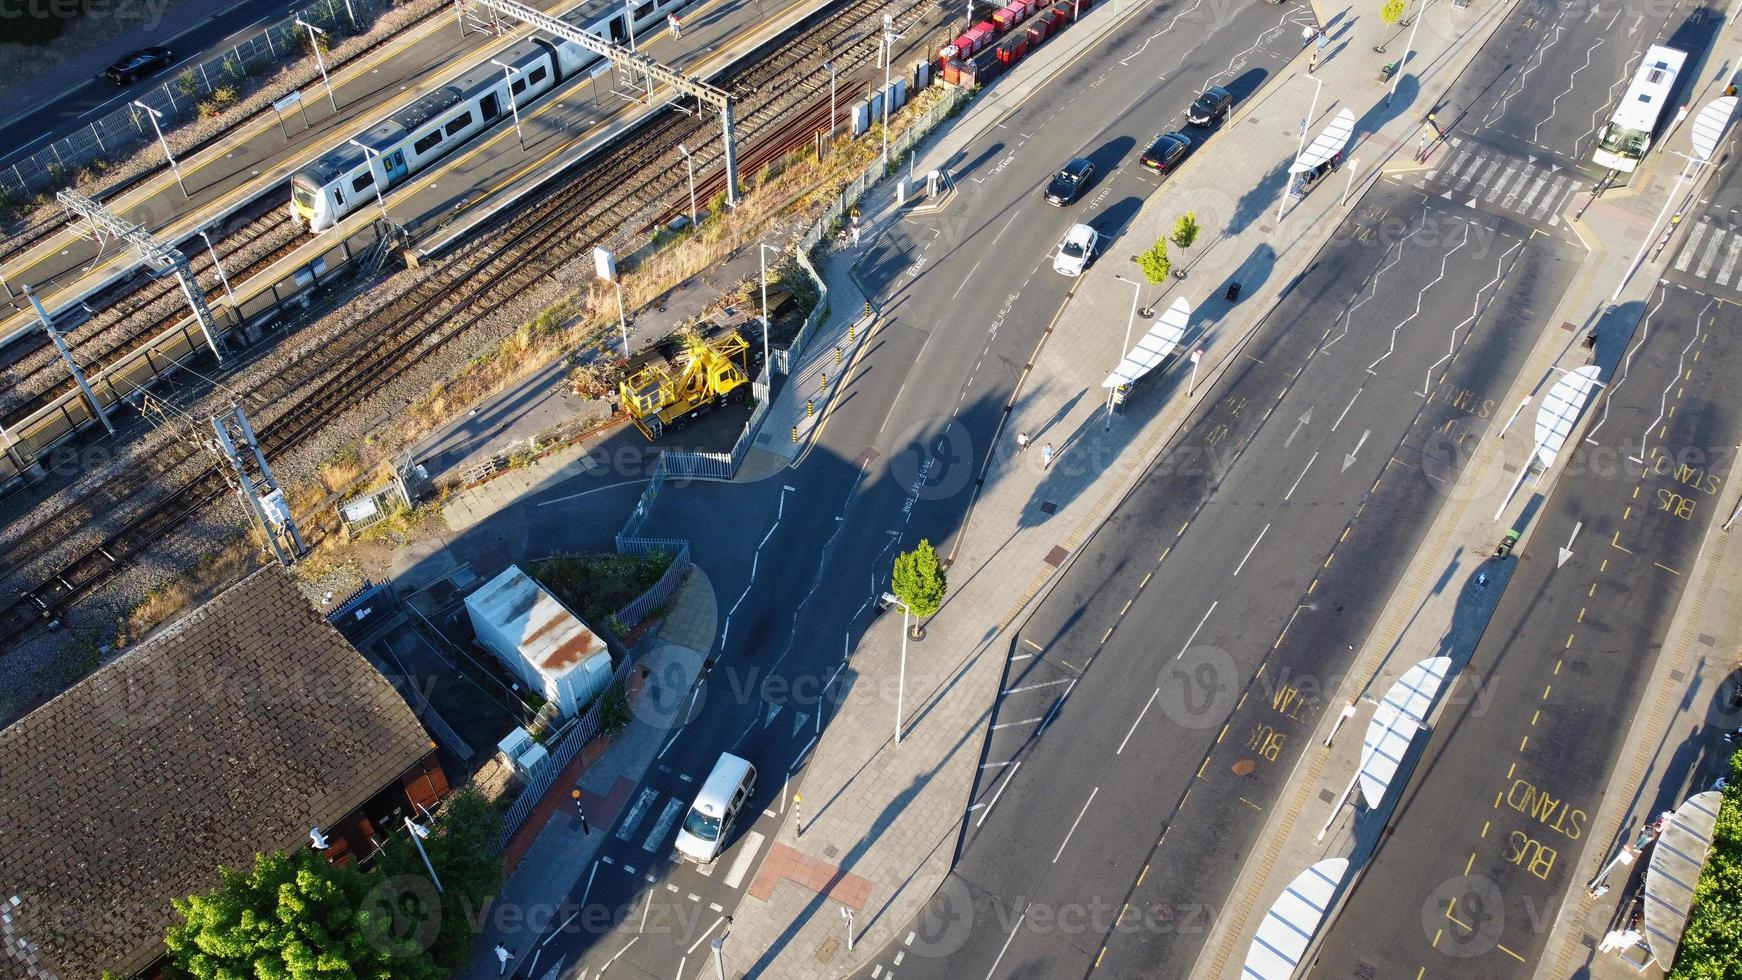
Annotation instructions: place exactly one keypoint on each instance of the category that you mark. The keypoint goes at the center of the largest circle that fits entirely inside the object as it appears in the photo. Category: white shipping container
(541, 641)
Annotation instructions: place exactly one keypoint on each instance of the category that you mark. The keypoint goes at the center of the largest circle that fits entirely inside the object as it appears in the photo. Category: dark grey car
(1068, 184)
(1210, 107)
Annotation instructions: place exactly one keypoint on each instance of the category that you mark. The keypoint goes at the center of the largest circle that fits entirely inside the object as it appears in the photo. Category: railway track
(593, 202)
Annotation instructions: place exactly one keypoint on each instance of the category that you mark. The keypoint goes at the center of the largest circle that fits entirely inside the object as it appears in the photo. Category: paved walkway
(891, 816)
(549, 854)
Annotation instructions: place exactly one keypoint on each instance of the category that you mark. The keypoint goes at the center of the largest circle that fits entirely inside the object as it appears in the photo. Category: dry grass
(216, 570)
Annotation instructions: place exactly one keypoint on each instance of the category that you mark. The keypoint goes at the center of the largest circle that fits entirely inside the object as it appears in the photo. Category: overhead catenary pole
(67, 357)
(256, 485)
(690, 163)
(702, 91)
(174, 167)
(767, 321)
(889, 39)
(213, 252)
(830, 65)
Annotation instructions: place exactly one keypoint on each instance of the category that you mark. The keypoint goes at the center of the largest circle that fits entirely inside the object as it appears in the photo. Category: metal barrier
(653, 598)
(177, 99)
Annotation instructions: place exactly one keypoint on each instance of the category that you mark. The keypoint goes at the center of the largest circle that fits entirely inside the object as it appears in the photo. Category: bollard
(809, 408)
(851, 328)
(837, 355)
(825, 385)
(795, 434)
(867, 308)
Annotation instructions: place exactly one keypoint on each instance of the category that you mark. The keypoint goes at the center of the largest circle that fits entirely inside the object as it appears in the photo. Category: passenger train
(349, 177)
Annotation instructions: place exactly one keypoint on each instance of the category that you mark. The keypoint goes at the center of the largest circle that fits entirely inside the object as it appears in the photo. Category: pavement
(549, 853)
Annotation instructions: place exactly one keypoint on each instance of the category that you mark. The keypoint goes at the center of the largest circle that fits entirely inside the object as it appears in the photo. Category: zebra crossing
(1480, 176)
(1712, 252)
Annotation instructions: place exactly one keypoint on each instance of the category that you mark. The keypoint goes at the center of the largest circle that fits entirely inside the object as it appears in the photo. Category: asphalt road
(894, 464)
(1155, 703)
(69, 109)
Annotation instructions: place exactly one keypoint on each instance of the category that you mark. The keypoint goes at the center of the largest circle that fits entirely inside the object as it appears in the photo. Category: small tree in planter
(1185, 232)
(1155, 265)
(920, 582)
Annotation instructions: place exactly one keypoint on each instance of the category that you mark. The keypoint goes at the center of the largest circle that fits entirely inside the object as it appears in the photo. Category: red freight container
(1012, 50)
(1054, 19)
(1005, 19)
(1037, 32)
(1014, 12)
(979, 36)
(953, 72)
(987, 26)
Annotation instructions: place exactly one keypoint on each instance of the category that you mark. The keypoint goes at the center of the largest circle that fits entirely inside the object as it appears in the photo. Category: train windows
(518, 87)
(364, 182)
(489, 107)
(459, 122)
(537, 75)
(427, 142)
(642, 12)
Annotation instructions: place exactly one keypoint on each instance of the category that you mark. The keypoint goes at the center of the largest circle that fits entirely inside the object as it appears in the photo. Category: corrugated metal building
(540, 639)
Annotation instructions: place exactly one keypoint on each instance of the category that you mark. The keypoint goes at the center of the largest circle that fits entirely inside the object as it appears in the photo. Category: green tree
(1392, 11)
(1185, 230)
(297, 917)
(919, 580)
(1714, 931)
(462, 846)
(1155, 265)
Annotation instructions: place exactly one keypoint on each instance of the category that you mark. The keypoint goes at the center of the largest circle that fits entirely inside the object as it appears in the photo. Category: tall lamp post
(420, 833)
(890, 599)
(889, 39)
(1318, 83)
(174, 167)
(718, 945)
(767, 320)
(1136, 291)
(1408, 46)
(371, 153)
(314, 41)
(508, 73)
(690, 162)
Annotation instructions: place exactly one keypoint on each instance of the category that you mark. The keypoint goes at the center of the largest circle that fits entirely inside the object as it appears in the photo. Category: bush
(613, 710)
(596, 586)
(1714, 931)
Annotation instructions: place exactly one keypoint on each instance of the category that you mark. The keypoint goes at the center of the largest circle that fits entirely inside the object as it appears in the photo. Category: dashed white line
(1201, 622)
(1068, 833)
(1303, 473)
(1250, 550)
(1139, 721)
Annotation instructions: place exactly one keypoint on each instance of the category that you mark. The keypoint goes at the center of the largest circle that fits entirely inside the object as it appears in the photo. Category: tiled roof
(232, 732)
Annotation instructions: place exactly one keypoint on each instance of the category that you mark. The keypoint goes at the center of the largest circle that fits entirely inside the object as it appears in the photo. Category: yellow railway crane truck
(659, 392)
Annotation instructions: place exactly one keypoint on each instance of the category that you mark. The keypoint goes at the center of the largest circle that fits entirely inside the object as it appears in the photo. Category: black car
(1210, 107)
(138, 65)
(1067, 185)
(1165, 153)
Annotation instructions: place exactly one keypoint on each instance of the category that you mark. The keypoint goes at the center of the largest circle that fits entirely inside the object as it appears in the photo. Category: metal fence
(654, 597)
(177, 98)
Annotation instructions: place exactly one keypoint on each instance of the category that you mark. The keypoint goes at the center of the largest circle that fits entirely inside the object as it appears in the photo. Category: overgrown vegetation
(613, 710)
(596, 586)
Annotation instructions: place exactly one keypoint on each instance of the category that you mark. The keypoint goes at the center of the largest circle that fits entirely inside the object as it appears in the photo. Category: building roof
(230, 733)
(548, 636)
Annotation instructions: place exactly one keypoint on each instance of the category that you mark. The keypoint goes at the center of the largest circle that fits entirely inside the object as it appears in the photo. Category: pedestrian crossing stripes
(1712, 252)
(1480, 176)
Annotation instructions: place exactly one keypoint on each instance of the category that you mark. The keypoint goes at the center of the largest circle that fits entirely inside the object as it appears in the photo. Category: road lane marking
(1013, 724)
(741, 864)
(1302, 476)
(1036, 687)
(1189, 639)
(1249, 552)
(1006, 947)
(994, 802)
(1139, 721)
(1063, 844)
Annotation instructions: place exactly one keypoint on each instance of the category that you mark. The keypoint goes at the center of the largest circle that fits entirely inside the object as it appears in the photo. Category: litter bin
(1233, 294)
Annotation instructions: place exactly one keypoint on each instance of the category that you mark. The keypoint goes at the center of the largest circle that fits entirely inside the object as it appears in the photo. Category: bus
(1622, 142)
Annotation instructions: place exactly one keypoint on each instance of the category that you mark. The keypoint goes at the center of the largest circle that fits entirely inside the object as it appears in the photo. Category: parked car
(1068, 184)
(1166, 152)
(138, 65)
(1076, 251)
(1210, 107)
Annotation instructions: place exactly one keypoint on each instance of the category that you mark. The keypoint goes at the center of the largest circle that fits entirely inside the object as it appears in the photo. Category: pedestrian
(1323, 39)
(503, 955)
(676, 26)
(1022, 446)
(1313, 63)
(1306, 34)
(1046, 456)
(855, 235)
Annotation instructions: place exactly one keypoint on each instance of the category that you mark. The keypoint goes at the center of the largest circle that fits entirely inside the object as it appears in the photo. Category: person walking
(1323, 40)
(1022, 447)
(676, 26)
(1306, 35)
(1313, 63)
(503, 955)
(1046, 456)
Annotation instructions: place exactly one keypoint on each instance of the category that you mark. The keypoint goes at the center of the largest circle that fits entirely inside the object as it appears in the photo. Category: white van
(723, 796)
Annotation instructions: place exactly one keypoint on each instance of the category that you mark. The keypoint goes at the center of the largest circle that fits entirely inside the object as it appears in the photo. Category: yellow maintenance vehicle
(663, 390)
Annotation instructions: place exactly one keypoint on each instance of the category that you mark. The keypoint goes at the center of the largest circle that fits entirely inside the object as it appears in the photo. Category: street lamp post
(321, 63)
(508, 73)
(889, 39)
(622, 316)
(1318, 83)
(718, 945)
(1397, 76)
(690, 162)
(1136, 291)
(219, 266)
(174, 167)
(418, 833)
(901, 683)
(371, 153)
(629, 22)
(767, 320)
(847, 914)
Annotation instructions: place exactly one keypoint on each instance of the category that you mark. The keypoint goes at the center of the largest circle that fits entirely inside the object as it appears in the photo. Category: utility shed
(539, 639)
(228, 733)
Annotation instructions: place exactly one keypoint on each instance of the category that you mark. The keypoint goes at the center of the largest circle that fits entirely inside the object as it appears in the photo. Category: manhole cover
(1048, 507)
(828, 949)
(1244, 767)
(1056, 556)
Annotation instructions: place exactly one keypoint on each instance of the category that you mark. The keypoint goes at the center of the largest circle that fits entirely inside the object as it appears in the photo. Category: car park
(137, 65)
(1069, 183)
(1211, 107)
(1076, 251)
(1166, 152)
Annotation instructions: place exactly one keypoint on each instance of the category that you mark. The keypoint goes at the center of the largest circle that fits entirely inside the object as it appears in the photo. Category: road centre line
(1302, 476)
(1250, 550)
(1139, 721)
(1201, 622)
(992, 803)
(1346, 408)
(1067, 840)
(1006, 947)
